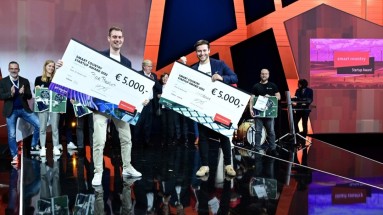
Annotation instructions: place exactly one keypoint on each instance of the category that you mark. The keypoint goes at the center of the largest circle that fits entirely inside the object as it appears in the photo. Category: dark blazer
(219, 67)
(157, 88)
(124, 61)
(305, 98)
(5, 94)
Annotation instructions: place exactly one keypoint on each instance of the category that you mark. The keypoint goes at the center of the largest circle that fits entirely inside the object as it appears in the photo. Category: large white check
(193, 94)
(101, 83)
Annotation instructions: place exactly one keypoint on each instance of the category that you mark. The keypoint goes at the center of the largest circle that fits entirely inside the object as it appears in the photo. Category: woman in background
(43, 82)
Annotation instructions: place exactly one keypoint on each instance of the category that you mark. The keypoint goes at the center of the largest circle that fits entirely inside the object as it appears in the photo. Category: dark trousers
(65, 126)
(65, 122)
(181, 126)
(204, 134)
(144, 124)
(268, 123)
(167, 125)
(304, 115)
(80, 130)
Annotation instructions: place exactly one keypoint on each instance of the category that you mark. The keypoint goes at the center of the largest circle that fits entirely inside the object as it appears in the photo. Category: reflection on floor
(264, 185)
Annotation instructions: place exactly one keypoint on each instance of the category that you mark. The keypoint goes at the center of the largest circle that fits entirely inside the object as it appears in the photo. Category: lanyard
(18, 83)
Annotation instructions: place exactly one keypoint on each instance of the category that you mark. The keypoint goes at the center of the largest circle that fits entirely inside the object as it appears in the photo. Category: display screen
(346, 63)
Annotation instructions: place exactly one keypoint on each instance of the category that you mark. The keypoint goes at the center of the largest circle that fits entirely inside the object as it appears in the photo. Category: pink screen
(346, 63)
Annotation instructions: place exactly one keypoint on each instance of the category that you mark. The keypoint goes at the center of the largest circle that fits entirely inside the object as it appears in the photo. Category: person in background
(80, 125)
(181, 129)
(15, 91)
(189, 125)
(181, 122)
(303, 99)
(65, 126)
(264, 88)
(218, 71)
(167, 118)
(44, 81)
(143, 127)
(80, 130)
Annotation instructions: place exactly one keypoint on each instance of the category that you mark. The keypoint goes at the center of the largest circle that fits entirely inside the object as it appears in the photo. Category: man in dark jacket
(218, 71)
(143, 127)
(303, 99)
(16, 91)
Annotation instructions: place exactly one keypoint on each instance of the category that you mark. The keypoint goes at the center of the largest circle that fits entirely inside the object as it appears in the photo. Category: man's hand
(252, 114)
(21, 90)
(216, 76)
(13, 90)
(251, 106)
(59, 64)
(145, 102)
(183, 59)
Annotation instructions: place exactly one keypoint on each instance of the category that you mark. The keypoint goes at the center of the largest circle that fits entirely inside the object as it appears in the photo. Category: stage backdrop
(341, 57)
(275, 35)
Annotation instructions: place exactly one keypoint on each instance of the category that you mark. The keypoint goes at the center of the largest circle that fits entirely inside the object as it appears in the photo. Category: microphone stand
(292, 133)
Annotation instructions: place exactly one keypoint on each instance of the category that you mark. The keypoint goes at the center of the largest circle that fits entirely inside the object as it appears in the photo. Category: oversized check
(101, 83)
(193, 94)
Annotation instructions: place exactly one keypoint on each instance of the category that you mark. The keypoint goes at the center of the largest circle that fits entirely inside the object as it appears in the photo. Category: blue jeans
(31, 118)
(268, 123)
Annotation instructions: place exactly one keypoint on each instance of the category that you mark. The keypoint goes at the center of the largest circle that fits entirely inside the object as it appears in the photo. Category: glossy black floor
(321, 179)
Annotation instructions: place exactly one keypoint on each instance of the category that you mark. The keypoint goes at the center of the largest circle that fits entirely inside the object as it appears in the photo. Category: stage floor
(321, 179)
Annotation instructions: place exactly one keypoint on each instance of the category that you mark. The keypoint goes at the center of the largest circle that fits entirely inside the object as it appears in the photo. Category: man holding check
(116, 39)
(264, 88)
(218, 70)
(100, 120)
